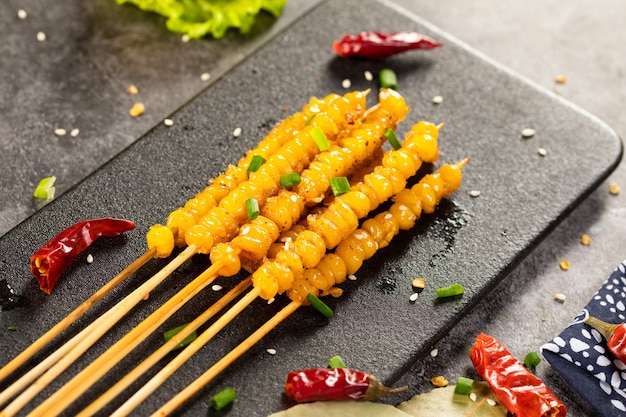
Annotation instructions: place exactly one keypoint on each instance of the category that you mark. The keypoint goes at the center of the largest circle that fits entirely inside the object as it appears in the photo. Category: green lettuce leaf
(198, 18)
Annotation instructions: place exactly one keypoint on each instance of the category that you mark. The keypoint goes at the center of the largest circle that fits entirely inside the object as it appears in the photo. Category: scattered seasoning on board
(560, 79)
(237, 132)
(437, 100)
(21, 14)
(564, 265)
(75, 132)
(528, 133)
(418, 283)
(474, 193)
(614, 189)
(90, 258)
(434, 353)
(41, 37)
(205, 76)
(216, 287)
(542, 151)
(137, 110)
(368, 75)
(585, 240)
(132, 89)
(439, 381)
(346, 83)
(413, 298)
(60, 132)
(559, 297)
(352, 277)
(185, 38)
(168, 122)
(271, 351)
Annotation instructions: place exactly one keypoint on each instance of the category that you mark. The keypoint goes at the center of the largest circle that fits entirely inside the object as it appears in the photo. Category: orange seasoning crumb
(560, 79)
(132, 89)
(419, 283)
(439, 381)
(614, 189)
(585, 240)
(137, 110)
(564, 265)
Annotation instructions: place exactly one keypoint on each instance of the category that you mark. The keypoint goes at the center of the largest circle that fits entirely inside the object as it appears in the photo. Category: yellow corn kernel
(310, 247)
(225, 255)
(284, 209)
(374, 229)
(426, 195)
(161, 239)
(178, 222)
(409, 199)
(352, 254)
(357, 201)
(405, 160)
(333, 266)
(200, 236)
(394, 176)
(265, 282)
(405, 217)
(255, 238)
(315, 278)
(381, 185)
(291, 261)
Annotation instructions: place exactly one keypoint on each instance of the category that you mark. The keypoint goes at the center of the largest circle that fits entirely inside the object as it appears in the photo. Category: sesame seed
(528, 133)
(75, 132)
(168, 122)
(237, 132)
(271, 300)
(89, 258)
(205, 76)
(346, 83)
(413, 297)
(437, 100)
(542, 151)
(21, 13)
(185, 38)
(472, 396)
(60, 132)
(352, 277)
(434, 352)
(137, 110)
(474, 193)
(271, 351)
(491, 402)
(368, 75)
(41, 37)
(559, 297)
(614, 189)
(216, 287)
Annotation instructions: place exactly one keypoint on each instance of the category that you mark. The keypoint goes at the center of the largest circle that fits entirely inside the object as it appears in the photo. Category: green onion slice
(223, 398)
(319, 138)
(392, 138)
(336, 362)
(290, 180)
(252, 207)
(531, 360)
(339, 185)
(308, 122)
(319, 305)
(463, 385)
(255, 163)
(451, 291)
(12, 328)
(388, 79)
(173, 332)
(45, 189)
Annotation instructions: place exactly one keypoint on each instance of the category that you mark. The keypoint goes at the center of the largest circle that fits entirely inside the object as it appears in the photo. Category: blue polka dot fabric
(580, 354)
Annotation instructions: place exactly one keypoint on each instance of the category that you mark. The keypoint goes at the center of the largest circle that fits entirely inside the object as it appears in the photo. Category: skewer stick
(67, 394)
(63, 357)
(46, 338)
(157, 380)
(165, 349)
(227, 360)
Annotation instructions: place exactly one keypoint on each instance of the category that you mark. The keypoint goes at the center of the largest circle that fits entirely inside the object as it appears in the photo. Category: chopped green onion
(308, 122)
(319, 305)
(336, 362)
(252, 207)
(12, 328)
(451, 291)
(339, 185)
(173, 332)
(319, 138)
(392, 138)
(463, 385)
(531, 360)
(45, 189)
(290, 180)
(388, 79)
(255, 163)
(223, 398)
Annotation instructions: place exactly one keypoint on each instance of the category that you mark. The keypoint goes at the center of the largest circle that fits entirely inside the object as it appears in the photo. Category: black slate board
(474, 241)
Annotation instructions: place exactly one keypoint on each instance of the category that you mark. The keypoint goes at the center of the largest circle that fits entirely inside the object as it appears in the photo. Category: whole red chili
(379, 45)
(521, 392)
(615, 335)
(322, 384)
(49, 262)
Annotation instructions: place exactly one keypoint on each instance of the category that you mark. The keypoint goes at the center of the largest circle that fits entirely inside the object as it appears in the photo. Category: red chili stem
(521, 392)
(379, 45)
(324, 384)
(49, 262)
(615, 335)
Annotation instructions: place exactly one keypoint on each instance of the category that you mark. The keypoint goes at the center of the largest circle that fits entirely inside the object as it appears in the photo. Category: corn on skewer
(219, 188)
(106, 361)
(451, 181)
(261, 290)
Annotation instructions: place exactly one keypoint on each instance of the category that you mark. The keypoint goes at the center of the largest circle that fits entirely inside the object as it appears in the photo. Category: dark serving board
(473, 241)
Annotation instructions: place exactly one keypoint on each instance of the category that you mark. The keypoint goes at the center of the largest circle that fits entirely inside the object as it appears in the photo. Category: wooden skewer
(40, 343)
(165, 349)
(223, 363)
(65, 356)
(67, 394)
(157, 380)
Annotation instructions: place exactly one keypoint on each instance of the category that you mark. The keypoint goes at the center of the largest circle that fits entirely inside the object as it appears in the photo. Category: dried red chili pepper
(379, 45)
(615, 335)
(521, 392)
(49, 262)
(323, 384)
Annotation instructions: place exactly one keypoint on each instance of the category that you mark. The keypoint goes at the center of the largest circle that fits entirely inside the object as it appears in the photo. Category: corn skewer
(191, 249)
(88, 376)
(273, 141)
(212, 331)
(234, 354)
